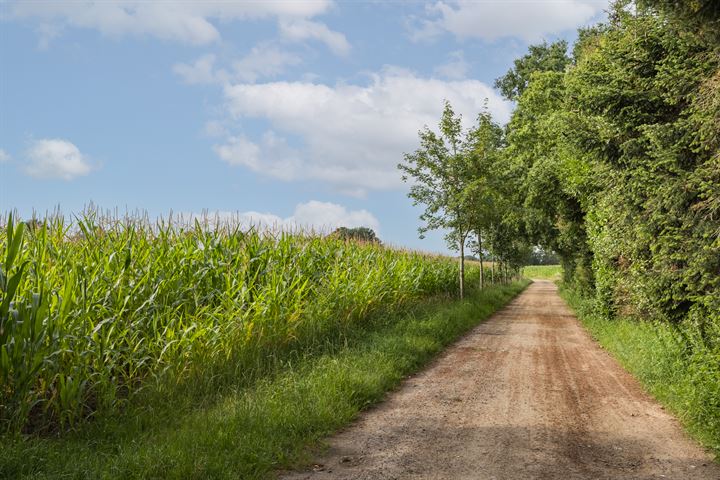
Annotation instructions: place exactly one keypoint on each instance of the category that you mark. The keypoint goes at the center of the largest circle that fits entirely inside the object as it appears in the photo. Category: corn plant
(97, 310)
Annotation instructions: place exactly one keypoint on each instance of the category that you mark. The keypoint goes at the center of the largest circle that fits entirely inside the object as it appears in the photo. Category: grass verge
(685, 380)
(251, 432)
(550, 272)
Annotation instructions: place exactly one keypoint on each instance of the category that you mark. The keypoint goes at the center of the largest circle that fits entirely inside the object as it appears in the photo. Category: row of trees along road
(457, 175)
(610, 160)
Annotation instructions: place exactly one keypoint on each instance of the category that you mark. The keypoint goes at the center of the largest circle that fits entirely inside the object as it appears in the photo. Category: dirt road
(526, 395)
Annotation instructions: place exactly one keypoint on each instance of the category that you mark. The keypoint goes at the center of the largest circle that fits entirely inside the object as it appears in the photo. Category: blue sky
(279, 112)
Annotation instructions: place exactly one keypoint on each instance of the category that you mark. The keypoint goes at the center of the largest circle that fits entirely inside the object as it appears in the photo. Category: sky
(284, 113)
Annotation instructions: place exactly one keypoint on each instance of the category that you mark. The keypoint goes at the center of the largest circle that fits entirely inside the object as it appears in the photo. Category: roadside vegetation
(459, 177)
(99, 312)
(136, 350)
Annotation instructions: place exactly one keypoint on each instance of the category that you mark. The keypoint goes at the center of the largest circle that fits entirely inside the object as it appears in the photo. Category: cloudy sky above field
(286, 112)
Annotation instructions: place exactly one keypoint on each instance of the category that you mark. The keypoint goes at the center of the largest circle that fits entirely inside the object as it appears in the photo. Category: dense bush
(619, 165)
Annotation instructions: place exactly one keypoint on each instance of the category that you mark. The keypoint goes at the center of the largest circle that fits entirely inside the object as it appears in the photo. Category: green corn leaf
(14, 244)
(11, 289)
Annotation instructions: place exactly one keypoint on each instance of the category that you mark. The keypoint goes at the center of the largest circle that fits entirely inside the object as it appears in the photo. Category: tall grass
(99, 311)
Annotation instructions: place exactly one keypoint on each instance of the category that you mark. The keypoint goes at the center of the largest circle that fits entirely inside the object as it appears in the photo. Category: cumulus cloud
(239, 151)
(331, 215)
(302, 29)
(56, 158)
(263, 61)
(455, 69)
(271, 156)
(528, 20)
(200, 71)
(189, 21)
(313, 215)
(351, 136)
(4, 156)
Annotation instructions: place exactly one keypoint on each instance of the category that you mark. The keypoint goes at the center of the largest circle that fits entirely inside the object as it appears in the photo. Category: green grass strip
(684, 381)
(550, 272)
(254, 431)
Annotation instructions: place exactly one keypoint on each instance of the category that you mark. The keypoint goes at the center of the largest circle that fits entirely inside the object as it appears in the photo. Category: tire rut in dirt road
(527, 394)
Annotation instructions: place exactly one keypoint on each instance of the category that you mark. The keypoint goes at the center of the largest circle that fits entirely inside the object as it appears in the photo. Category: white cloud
(263, 61)
(56, 158)
(313, 215)
(528, 19)
(331, 215)
(455, 69)
(302, 29)
(188, 21)
(4, 156)
(271, 156)
(239, 151)
(200, 71)
(351, 136)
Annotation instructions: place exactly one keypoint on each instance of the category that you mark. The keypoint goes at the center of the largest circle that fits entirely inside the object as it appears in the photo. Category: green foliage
(102, 315)
(438, 171)
(699, 16)
(362, 234)
(618, 166)
(647, 91)
(460, 178)
(484, 206)
(541, 256)
(540, 58)
(544, 177)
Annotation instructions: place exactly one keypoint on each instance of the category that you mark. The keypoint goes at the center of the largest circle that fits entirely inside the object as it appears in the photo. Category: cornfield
(96, 311)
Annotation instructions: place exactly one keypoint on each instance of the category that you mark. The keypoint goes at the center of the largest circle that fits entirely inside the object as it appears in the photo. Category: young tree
(438, 170)
(485, 141)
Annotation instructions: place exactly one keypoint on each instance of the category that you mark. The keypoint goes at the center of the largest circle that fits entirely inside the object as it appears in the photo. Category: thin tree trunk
(480, 253)
(462, 266)
(492, 269)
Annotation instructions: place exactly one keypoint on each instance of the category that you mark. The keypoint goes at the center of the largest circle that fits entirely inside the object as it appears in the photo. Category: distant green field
(550, 272)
